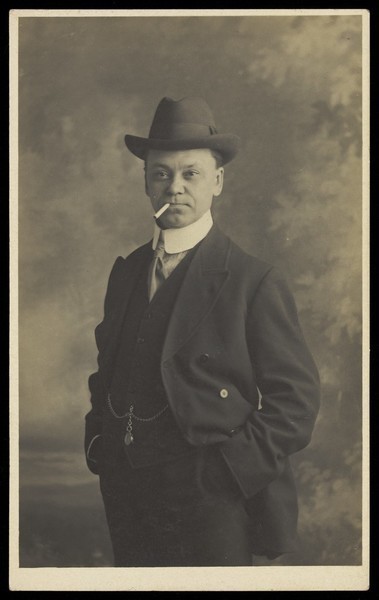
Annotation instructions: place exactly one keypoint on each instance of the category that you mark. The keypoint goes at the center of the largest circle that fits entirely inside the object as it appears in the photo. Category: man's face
(187, 179)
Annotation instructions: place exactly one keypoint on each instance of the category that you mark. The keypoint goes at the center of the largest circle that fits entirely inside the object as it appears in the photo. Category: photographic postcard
(293, 85)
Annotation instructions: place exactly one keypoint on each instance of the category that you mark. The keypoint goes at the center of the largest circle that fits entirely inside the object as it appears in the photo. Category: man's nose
(176, 185)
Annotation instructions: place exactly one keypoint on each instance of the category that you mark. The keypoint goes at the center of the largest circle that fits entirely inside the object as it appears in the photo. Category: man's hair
(216, 155)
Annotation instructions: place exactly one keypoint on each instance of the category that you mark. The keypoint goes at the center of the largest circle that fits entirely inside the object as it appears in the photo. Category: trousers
(186, 512)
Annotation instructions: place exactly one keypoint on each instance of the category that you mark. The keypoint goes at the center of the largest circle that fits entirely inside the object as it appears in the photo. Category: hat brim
(224, 143)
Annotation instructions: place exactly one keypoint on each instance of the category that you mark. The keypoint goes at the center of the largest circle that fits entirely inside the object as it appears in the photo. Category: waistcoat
(137, 376)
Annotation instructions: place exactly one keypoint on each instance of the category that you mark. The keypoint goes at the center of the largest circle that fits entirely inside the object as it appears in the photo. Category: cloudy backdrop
(290, 87)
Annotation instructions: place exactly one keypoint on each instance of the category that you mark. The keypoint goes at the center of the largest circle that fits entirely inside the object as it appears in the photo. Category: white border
(366, 289)
(13, 304)
(192, 579)
(183, 12)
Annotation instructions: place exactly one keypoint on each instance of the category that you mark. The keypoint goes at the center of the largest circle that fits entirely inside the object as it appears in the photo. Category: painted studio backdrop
(290, 87)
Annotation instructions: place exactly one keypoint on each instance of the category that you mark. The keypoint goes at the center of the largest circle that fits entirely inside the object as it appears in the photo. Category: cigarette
(161, 210)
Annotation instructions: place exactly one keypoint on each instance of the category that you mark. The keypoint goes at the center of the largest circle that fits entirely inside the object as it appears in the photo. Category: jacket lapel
(128, 279)
(203, 283)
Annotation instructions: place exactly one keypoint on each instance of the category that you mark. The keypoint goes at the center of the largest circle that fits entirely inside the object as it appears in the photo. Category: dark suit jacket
(233, 336)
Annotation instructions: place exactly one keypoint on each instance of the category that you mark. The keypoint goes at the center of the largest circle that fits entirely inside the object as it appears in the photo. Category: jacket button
(140, 340)
(224, 393)
(204, 358)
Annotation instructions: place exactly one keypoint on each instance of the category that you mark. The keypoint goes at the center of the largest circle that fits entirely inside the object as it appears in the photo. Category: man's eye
(161, 174)
(191, 173)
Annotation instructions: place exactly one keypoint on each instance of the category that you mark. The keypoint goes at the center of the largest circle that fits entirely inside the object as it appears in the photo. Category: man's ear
(219, 183)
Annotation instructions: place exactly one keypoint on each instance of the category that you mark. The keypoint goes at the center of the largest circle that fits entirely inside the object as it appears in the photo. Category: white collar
(183, 238)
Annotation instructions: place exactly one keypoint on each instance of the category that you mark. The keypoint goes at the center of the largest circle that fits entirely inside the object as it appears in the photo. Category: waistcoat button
(224, 393)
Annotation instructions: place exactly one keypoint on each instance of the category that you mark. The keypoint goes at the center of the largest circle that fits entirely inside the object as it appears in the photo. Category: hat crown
(184, 125)
(190, 116)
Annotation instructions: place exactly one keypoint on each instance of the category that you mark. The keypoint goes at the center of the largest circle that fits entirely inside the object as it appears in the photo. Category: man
(205, 385)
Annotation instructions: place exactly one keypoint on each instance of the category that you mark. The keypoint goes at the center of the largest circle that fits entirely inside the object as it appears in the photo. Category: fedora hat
(184, 125)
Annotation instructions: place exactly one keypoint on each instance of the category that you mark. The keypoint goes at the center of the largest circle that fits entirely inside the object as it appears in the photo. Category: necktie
(156, 272)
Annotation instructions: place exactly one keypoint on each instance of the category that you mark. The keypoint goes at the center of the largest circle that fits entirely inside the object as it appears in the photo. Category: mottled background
(290, 87)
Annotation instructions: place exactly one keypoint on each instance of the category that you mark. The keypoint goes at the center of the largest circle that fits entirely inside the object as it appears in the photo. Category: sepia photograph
(189, 300)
